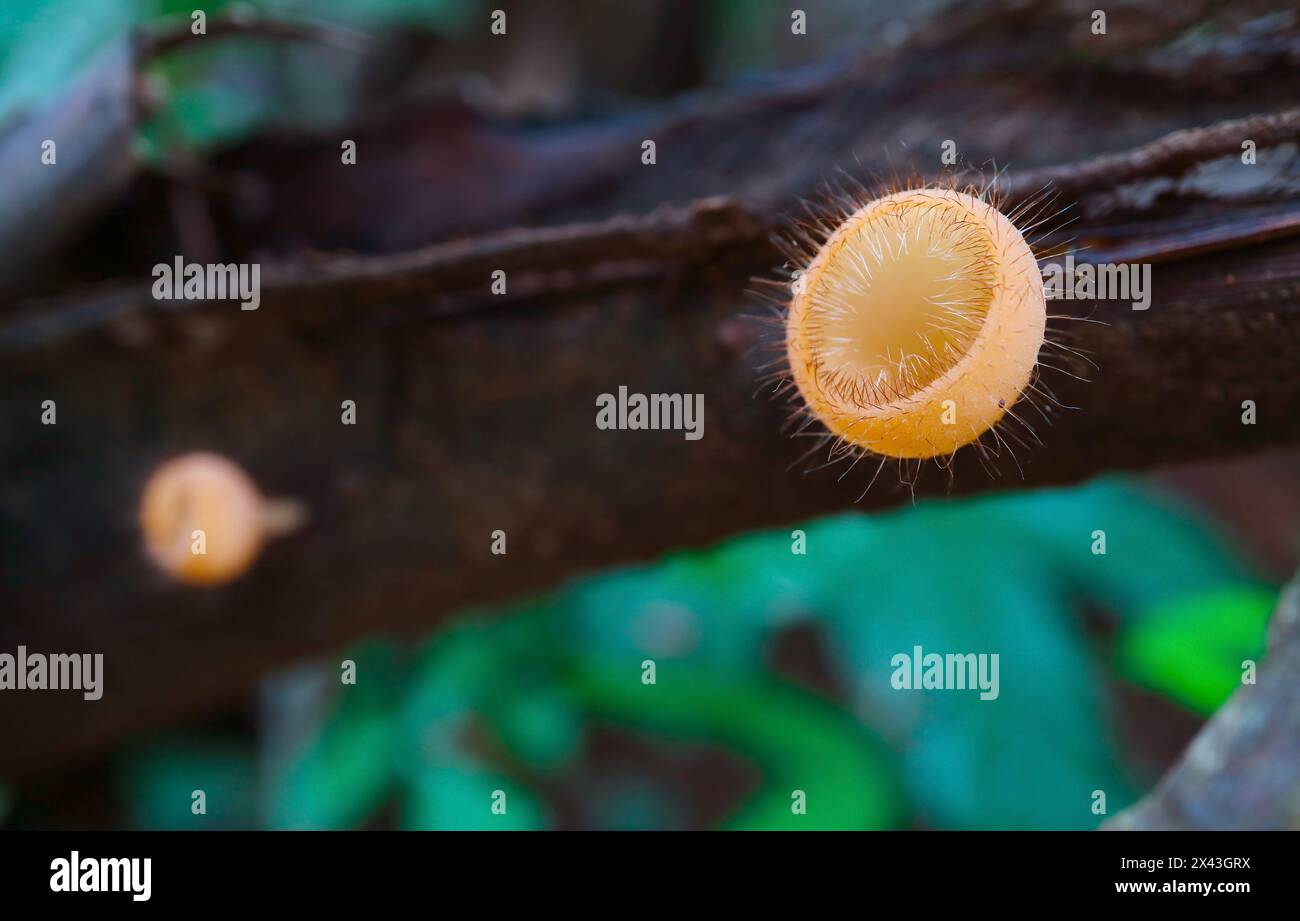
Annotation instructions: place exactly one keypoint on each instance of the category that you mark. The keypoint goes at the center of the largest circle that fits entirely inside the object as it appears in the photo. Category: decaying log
(486, 422)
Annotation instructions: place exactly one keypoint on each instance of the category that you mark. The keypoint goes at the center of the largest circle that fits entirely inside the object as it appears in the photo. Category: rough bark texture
(477, 414)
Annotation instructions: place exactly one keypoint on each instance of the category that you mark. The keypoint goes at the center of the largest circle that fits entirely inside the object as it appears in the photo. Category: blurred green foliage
(44, 44)
(169, 771)
(220, 95)
(507, 699)
(214, 95)
(1192, 648)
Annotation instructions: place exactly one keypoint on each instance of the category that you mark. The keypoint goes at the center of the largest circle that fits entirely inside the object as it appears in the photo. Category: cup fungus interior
(917, 324)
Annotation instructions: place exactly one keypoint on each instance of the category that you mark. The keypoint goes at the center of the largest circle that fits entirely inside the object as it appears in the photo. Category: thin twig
(1171, 155)
(673, 235)
(172, 37)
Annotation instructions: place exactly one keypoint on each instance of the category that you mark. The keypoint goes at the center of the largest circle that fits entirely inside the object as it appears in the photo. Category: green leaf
(454, 796)
(1192, 648)
(220, 94)
(348, 771)
(345, 777)
(799, 741)
(45, 44)
(974, 583)
(446, 15)
(159, 780)
(543, 729)
(1004, 575)
(1155, 547)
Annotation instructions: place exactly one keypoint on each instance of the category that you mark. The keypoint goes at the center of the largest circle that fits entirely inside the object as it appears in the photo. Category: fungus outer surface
(918, 323)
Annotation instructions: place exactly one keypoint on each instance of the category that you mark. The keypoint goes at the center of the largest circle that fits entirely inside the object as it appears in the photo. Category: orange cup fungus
(917, 324)
(203, 519)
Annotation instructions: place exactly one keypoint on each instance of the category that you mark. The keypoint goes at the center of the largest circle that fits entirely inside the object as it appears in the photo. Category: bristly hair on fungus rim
(908, 321)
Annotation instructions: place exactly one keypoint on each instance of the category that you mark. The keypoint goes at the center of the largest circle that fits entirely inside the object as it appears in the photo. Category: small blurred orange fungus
(203, 519)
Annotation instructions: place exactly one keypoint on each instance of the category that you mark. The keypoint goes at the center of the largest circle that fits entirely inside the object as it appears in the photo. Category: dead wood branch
(683, 237)
(1171, 155)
